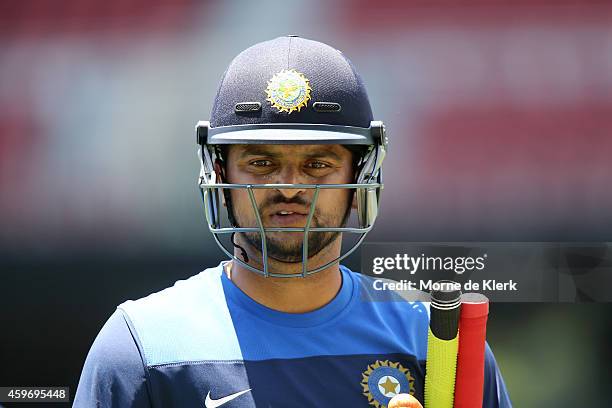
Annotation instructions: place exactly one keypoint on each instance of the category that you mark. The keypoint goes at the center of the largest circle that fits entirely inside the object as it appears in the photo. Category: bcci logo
(288, 91)
(383, 380)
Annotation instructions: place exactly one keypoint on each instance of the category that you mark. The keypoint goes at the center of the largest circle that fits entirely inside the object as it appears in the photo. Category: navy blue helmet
(291, 90)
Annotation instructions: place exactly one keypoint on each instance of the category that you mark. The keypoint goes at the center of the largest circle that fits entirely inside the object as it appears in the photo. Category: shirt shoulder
(189, 321)
(495, 392)
(114, 374)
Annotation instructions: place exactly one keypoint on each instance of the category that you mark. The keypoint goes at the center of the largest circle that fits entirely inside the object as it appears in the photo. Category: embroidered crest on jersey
(288, 91)
(385, 379)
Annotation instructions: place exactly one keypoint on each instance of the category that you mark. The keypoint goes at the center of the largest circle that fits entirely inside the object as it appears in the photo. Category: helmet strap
(245, 257)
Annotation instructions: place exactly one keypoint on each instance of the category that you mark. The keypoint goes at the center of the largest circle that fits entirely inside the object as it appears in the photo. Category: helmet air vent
(247, 107)
(326, 107)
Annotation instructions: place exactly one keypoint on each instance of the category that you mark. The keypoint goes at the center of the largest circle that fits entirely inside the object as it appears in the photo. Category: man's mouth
(288, 218)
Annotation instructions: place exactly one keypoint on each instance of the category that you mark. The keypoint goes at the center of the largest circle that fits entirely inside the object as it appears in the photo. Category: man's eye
(317, 165)
(261, 163)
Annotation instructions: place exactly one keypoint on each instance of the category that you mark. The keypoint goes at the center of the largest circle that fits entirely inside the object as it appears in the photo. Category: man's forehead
(333, 150)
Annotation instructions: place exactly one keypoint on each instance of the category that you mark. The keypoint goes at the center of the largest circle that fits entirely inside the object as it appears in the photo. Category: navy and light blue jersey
(204, 343)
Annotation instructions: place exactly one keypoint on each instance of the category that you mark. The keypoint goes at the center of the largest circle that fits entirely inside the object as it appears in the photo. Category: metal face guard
(210, 196)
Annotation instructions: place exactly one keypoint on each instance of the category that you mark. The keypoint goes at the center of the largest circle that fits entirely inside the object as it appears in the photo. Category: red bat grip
(471, 356)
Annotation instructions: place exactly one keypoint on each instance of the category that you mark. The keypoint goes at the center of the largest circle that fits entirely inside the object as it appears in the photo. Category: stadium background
(500, 122)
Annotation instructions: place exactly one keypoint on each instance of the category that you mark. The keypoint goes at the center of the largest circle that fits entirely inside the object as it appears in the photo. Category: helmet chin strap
(243, 253)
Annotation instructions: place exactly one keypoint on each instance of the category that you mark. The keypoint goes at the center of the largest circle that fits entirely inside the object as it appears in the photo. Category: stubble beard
(287, 246)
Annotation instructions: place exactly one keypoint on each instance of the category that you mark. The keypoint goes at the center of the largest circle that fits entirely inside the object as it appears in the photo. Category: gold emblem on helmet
(288, 91)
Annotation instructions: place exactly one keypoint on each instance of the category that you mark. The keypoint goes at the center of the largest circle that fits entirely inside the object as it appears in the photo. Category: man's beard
(282, 249)
(290, 250)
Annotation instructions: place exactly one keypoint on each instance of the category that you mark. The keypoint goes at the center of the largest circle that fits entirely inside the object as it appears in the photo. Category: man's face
(290, 164)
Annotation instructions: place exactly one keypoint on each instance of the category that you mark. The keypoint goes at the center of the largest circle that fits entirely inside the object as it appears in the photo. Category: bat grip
(471, 355)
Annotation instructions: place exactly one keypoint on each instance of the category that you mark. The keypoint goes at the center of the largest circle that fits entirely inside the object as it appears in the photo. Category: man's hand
(404, 401)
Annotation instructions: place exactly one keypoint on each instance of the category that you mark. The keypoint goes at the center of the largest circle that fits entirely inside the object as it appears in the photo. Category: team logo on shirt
(385, 379)
(288, 91)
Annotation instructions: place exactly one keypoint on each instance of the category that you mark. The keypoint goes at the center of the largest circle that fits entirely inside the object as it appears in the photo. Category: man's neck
(290, 295)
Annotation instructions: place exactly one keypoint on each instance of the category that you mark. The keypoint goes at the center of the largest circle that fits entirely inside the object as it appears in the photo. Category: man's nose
(291, 175)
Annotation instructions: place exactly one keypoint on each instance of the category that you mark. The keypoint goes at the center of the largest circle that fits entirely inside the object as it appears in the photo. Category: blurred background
(500, 123)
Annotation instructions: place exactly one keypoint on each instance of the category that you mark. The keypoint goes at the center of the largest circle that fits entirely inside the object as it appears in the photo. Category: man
(290, 151)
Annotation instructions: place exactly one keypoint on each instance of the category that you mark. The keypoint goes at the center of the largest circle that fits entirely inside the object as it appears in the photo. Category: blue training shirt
(205, 343)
